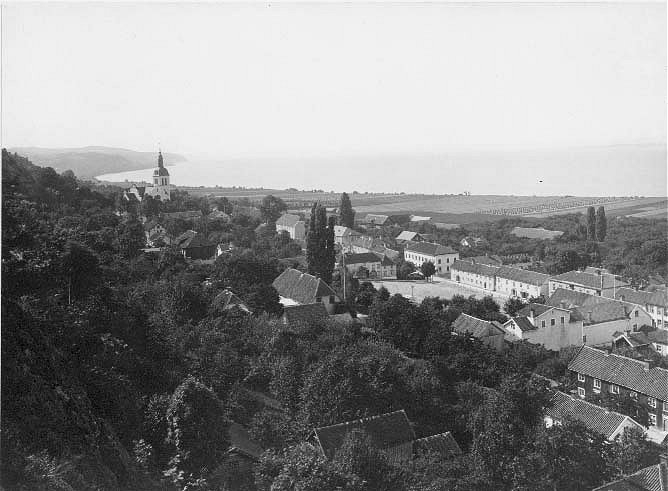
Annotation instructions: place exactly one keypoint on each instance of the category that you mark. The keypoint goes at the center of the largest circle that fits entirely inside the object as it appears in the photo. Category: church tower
(161, 187)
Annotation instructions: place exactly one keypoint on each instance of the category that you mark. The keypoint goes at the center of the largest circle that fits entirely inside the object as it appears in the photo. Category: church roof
(160, 171)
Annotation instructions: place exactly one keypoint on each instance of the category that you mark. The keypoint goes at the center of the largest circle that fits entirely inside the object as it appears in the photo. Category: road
(440, 287)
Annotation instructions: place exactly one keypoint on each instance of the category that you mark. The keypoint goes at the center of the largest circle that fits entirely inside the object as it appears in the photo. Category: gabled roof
(301, 287)
(407, 235)
(623, 371)
(652, 478)
(633, 339)
(538, 309)
(478, 328)
(362, 257)
(288, 220)
(486, 260)
(240, 441)
(341, 231)
(596, 418)
(198, 240)
(185, 236)
(601, 309)
(429, 248)
(295, 314)
(590, 280)
(385, 431)
(469, 267)
(443, 444)
(523, 323)
(375, 219)
(640, 297)
(227, 300)
(522, 275)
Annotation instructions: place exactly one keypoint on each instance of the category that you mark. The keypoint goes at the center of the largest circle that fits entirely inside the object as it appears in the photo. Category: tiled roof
(227, 300)
(538, 309)
(595, 417)
(443, 444)
(385, 431)
(362, 257)
(652, 478)
(469, 267)
(640, 297)
(406, 235)
(288, 220)
(602, 309)
(523, 323)
(301, 287)
(341, 231)
(487, 260)
(477, 328)
(659, 336)
(184, 237)
(376, 219)
(198, 240)
(429, 248)
(571, 298)
(240, 441)
(622, 371)
(634, 339)
(522, 275)
(304, 313)
(589, 280)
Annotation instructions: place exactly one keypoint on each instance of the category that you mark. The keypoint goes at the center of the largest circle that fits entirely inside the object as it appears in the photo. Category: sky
(304, 80)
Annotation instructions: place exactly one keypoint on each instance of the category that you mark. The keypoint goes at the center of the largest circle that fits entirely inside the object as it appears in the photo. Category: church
(161, 188)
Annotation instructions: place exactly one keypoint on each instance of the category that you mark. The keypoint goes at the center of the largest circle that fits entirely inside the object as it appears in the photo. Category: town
(586, 345)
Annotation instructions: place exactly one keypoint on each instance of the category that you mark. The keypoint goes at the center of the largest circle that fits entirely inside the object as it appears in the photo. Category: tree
(271, 208)
(513, 305)
(346, 212)
(404, 268)
(428, 269)
(591, 223)
(131, 238)
(632, 451)
(601, 224)
(197, 426)
(320, 247)
(263, 297)
(79, 265)
(622, 404)
(358, 456)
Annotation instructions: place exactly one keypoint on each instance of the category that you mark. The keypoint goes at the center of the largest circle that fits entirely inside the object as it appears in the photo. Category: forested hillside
(123, 370)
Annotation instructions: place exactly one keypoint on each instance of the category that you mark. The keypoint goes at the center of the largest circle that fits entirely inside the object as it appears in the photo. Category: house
(372, 220)
(486, 259)
(155, 233)
(536, 233)
(522, 283)
(297, 288)
(292, 224)
(421, 252)
(227, 301)
(364, 243)
(654, 302)
(376, 266)
(610, 424)
(469, 241)
(391, 432)
(552, 327)
(652, 478)
(603, 285)
(644, 342)
(194, 245)
(601, 317)
(490, 333)
(474, 274)
(408, 236)
(597, 371)
(344, 236)
(310, 312)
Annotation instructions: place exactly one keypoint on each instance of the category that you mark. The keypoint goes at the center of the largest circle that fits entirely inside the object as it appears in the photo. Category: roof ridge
(368, 418)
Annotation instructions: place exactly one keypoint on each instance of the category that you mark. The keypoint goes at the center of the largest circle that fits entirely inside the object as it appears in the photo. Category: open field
(440, 287)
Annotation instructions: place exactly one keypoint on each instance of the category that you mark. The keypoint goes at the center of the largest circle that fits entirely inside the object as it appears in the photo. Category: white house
(602, 284)
(441, 256)
(522, 283)
(377, 266)
(654, 302)
(474, 274)
(293, 225)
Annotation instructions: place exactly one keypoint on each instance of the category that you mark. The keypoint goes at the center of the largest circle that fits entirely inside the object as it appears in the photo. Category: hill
(93, 161)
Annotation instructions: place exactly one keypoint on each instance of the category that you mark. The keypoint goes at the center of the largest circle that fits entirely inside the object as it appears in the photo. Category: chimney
(562, 303)
(532, 314)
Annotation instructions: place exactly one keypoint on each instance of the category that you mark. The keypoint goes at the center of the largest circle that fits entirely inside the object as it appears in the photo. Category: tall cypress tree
(601, 224)
(591, 223)
(312, 242)
(330, 252)
(346, 212)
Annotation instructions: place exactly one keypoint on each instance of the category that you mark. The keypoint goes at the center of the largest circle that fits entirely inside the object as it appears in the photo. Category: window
(651, 402)
(581, 377)
(584, 339)
(614, 389)
(635, 327)
(318, 299)
(581, 392)
(542, 323)
(562, 319)
(597, 385)
(439, 261)
(552, 322)
(652, 419)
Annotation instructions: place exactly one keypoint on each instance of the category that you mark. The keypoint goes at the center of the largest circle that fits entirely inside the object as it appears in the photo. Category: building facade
(293, 225)
(654, 302)
(376, 266)
(601, 284)
(443, 257)
(474, 274)
(598, 372)
(522, 283)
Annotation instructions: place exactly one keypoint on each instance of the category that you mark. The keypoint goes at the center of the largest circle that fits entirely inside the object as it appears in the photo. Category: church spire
(160, 164)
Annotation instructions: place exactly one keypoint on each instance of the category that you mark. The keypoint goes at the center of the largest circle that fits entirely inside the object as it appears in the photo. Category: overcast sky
(293, 80)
